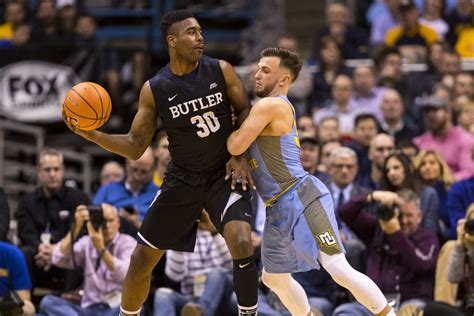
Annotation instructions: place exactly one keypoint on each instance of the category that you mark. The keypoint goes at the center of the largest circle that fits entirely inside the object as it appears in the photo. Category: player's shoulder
(269, 103)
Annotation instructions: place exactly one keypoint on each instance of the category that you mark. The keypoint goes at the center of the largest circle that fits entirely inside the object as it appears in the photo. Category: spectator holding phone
(104, 255)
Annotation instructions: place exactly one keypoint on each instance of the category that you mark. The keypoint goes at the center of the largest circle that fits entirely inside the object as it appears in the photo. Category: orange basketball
(87, 104)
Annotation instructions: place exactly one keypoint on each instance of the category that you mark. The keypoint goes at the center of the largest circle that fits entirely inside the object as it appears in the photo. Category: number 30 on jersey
(207, 122)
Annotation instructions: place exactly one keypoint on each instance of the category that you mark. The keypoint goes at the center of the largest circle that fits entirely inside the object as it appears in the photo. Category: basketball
(88, 105)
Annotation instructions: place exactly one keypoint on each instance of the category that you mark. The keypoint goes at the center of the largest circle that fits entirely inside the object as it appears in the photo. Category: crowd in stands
(395, 148)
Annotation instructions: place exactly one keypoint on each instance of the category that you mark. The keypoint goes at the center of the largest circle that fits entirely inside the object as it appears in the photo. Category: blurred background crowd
(385, 113)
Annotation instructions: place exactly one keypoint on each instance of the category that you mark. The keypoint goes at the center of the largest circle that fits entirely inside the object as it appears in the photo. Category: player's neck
(180, 67)
(278, 92)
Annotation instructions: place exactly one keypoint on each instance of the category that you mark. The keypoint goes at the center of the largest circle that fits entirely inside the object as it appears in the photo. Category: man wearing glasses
(136, 191)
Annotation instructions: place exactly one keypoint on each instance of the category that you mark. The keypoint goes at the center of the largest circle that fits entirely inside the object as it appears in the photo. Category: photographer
(104, 255)
(401, 254)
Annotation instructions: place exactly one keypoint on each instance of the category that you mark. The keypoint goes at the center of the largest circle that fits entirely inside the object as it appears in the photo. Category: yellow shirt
(157, 180)
(6, 31)
(465, 43)
(421, 35)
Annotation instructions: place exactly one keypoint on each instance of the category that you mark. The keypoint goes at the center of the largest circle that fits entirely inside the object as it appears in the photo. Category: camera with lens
(469, 226)
(96, 216)
(385, 212)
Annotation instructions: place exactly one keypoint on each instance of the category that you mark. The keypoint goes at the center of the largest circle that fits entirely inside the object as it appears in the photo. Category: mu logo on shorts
(326, 239)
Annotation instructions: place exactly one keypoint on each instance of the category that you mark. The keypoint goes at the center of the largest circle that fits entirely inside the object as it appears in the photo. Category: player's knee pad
(275, 280)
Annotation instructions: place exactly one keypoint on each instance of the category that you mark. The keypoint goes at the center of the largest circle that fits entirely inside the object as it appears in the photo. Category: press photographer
(103, 254)
(401, 255)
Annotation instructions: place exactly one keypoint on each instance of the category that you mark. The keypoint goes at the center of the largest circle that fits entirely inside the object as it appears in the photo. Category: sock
(124, 312)
(246, 285)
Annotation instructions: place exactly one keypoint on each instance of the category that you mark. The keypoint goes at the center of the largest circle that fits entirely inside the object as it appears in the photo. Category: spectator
(328, 129)
(111, 171)
(460, 196)
(5, 215)
(136, 189)
(309, 154)
(393, 123)
(342, 106)
(466, 117)
(464, 85)
(385, 21)
(365, 130)
(399, 173)
(367, 96)
(162, 158)
(15, 15)
(66, 15)
(205, 276)
(104, 255)
(353, 40)
(325, 150)
(14, 279)
(408, 148)
(451, 142)
(343, 170)
(331, 64)
(44, 218)
(401, 254)
(412, 37)
(461, 264)
(432, 17)
(434, 172)
(458, 20)
(306, 127)
(380, 147)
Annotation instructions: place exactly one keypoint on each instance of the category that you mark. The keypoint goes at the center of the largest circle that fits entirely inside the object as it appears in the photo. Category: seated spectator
(367, 96)
(15, 15)
(380, 147)
(451, 142)
(408, 148)
(44, 217)
(458, 20)
(412, 37)
(432, 17)
(14, 282)
(328, 129)
(399, 173)
(460, 197)
(331, 64)
(401, 254)
(342, 106)
(205, 276)
(385, 21)
(353, 40)
(464, 84)
(325, 150)
(309, 154)
(4, 215)
(162, 157)
(66, 16)
(111, 171)
(466, 117)
(434, 172)
(393, 123)
(136, 189)
(365, 130)
(104, 255)
(306, 127)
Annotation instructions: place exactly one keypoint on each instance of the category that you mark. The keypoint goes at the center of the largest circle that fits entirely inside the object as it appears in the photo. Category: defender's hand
(96, 236)
(239, 169)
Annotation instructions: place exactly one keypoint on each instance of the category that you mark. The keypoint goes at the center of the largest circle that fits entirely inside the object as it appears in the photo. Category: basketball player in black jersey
(193, 95)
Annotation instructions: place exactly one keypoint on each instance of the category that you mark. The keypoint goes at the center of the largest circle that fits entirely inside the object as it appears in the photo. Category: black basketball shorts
(172, 219)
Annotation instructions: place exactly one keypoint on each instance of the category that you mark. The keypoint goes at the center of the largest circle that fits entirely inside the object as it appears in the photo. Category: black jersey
(196, 114)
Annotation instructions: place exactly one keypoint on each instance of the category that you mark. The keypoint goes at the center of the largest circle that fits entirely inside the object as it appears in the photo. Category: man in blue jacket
(460, 196)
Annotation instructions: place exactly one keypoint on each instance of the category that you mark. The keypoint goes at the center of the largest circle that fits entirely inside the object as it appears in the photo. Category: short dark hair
(288, 59)
(171, 18)
(365, 116)
(381, 54)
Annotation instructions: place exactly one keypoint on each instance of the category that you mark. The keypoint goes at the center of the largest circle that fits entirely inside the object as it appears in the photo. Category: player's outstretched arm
(236, 92)
(260, 116)
(133, 144)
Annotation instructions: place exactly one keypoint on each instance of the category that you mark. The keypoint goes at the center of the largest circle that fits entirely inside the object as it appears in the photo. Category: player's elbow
(234, 149)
